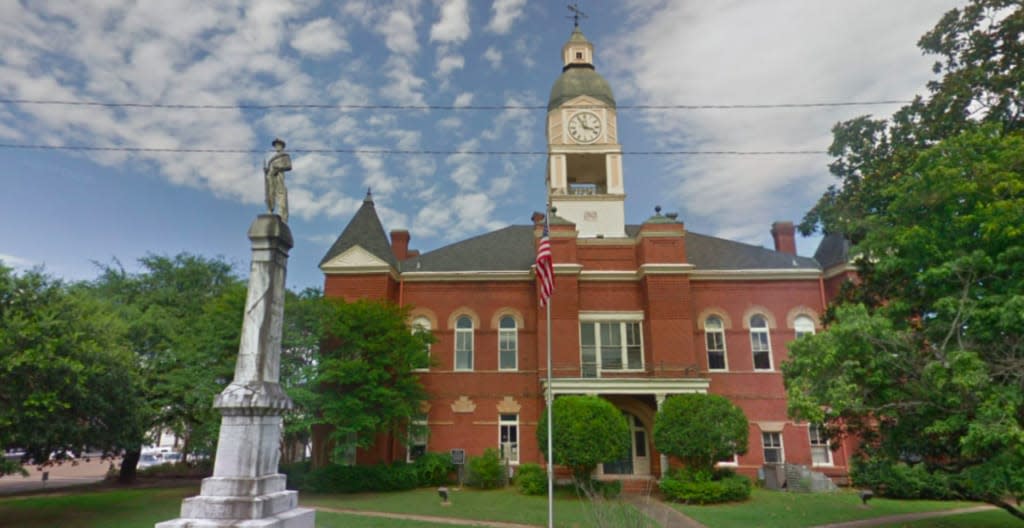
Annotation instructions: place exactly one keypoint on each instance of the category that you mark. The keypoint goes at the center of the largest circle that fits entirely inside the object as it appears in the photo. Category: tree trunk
(1010, 508)
(128, 466)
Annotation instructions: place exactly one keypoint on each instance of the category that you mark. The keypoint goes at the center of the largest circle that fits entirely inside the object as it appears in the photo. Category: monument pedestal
(246, 491)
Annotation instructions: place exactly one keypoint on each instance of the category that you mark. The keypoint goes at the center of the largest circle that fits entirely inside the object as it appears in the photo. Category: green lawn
(776, 508)
(495, 505)
(989, 519)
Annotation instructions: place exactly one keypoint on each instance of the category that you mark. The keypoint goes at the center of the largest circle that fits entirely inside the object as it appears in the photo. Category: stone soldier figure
(273, 172)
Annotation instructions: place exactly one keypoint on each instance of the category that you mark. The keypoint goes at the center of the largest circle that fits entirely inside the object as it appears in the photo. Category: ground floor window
(508, 437)
(733, 460)
(821, 454)
(417, 443)
(772, 443)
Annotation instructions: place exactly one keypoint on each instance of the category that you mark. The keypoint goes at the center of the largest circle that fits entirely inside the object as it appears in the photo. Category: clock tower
(584, 173)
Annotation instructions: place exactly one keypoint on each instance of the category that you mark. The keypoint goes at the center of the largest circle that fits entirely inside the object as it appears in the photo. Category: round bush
(531, 479)
(700, 429)
(587, 431)
(487, 471)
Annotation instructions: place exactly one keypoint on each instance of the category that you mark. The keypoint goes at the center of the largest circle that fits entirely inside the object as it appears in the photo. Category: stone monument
(273, 179)
(246, 491)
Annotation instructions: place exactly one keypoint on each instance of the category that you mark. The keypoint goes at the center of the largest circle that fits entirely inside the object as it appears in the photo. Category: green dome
(578, 81)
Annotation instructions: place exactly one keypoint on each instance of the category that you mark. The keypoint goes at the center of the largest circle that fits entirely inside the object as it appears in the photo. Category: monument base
(296, 518)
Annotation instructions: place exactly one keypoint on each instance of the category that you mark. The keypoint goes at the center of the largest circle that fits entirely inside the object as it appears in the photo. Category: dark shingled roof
(512, 249)
(834, 249)
(366, 231)
(507, 249)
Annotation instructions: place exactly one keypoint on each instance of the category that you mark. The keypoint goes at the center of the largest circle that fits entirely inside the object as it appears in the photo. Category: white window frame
(729, 463)
(803, 325)
(422, 324)
(754, 350)
(413, 439)
(504, 421)
(464, 332)
(822, 443)
(721, 331)
(765, 447)
(608, 318)
(513, 334)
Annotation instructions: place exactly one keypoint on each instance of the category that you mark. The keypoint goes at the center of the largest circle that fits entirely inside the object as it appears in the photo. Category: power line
(321, 106)
(410, 152)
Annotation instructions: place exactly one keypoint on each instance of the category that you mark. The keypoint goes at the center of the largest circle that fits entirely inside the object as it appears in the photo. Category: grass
(506, 505)
(989, 519)
(775, 508)
(131, 508)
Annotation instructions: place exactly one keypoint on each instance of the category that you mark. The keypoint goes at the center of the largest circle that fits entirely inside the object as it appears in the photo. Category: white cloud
(463, 99)
(448, 64)
(453, 26)
(404, 84)
(506, 12)
(493, 56)
(320, 38)
(17, 263)
(753, 52)
(399, 30)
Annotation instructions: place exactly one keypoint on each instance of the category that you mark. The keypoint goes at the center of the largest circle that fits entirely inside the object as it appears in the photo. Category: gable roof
(365, 231)
(833, 249)
(512, 249)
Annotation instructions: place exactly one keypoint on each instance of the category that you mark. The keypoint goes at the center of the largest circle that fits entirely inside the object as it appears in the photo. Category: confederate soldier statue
(273, 172)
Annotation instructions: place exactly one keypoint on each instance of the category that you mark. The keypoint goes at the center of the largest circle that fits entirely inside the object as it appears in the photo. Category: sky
(68, 211)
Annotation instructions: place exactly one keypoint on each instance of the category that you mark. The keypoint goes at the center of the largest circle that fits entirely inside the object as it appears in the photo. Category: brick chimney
(784, 235)
(400, 243)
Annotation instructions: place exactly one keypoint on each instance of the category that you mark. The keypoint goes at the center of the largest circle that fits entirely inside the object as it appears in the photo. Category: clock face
(585, 127)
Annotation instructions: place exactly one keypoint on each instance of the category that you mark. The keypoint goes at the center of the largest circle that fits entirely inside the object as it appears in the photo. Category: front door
(637, 461)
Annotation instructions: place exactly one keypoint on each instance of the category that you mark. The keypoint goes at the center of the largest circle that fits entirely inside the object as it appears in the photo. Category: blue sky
(67, 210)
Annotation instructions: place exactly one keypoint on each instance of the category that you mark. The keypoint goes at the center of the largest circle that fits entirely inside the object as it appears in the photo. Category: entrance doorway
(637, 461)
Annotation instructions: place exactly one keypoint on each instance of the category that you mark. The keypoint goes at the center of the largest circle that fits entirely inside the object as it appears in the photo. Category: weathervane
(577, 14)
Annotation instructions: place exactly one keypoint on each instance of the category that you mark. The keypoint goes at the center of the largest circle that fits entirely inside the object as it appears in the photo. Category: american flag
(545, 267)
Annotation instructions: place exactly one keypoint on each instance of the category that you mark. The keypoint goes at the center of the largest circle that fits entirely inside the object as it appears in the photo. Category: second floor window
(508, 343)
(464, 343)
(421, 325)
(714, 337)
(610, 345)
(760, 344)
(802, 326)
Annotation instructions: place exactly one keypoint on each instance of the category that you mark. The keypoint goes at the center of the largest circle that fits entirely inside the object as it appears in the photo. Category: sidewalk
(907, 517)
(425, 518)
(62, 476)
(659, 512)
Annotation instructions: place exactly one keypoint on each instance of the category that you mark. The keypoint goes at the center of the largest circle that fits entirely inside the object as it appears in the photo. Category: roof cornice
(755, 274)
(839, 269)
(466, 276)
(358, 270)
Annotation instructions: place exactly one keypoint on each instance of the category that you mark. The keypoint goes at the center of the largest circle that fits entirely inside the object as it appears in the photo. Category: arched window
(508, 344)
(803, 325)
(760, 344)
(422, 324)
(714, 338)
(464, 343)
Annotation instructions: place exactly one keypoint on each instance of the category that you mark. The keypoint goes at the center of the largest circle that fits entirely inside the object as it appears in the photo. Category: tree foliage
(67, 381)
(586, 431)
(365, 376)
(924, 356)
(700, 429)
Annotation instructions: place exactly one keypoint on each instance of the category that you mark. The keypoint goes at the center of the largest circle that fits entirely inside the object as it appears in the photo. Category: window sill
(761, 371)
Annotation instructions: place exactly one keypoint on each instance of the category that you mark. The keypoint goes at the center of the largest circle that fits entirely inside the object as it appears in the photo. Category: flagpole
(551, 418)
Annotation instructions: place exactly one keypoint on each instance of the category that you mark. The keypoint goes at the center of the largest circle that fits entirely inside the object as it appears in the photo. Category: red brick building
(639, 313)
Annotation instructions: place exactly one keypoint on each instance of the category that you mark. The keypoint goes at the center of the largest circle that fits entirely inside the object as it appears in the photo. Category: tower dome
(578, 74)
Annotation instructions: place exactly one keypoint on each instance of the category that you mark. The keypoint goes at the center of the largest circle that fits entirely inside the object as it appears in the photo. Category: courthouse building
(639, 312)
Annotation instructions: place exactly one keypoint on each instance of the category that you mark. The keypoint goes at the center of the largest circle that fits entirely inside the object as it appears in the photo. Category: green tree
(302, 336)
(66, 376)
(365, 376)
(586, 431)
(183, 316)
(700, 429)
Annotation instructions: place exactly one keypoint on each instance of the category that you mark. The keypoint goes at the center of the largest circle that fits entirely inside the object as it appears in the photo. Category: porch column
(660, 398)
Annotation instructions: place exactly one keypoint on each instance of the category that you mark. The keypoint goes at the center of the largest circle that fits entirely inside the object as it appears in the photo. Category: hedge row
(431, 469)
(704, 487)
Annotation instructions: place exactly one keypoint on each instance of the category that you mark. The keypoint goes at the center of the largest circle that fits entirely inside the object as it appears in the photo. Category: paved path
(426, 518)
(907, 517)
(665, 515)
(61, 476)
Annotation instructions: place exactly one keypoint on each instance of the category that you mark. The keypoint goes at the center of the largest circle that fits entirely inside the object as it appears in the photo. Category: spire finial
(369, 196)
(577, 13)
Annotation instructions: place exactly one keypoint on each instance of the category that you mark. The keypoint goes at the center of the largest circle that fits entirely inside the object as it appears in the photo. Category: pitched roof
(832, 250)
(507, 249)
(512, 249)
(366, 231)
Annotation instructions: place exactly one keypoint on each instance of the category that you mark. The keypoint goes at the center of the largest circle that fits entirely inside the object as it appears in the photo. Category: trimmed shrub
(705, 487)
(700, 429)
(587, 431)
(487, 471)
(353, 479)
(434, 469)
(531, 479)
(190, 470)
(899, 480)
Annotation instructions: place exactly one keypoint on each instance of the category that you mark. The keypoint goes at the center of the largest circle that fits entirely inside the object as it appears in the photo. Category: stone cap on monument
(271, 226)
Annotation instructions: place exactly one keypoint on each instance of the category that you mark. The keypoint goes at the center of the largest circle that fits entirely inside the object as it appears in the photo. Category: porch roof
(655, 386)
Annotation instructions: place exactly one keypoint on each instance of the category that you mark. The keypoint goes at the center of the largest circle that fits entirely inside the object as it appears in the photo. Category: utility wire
(316, 106)
(411, 152)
